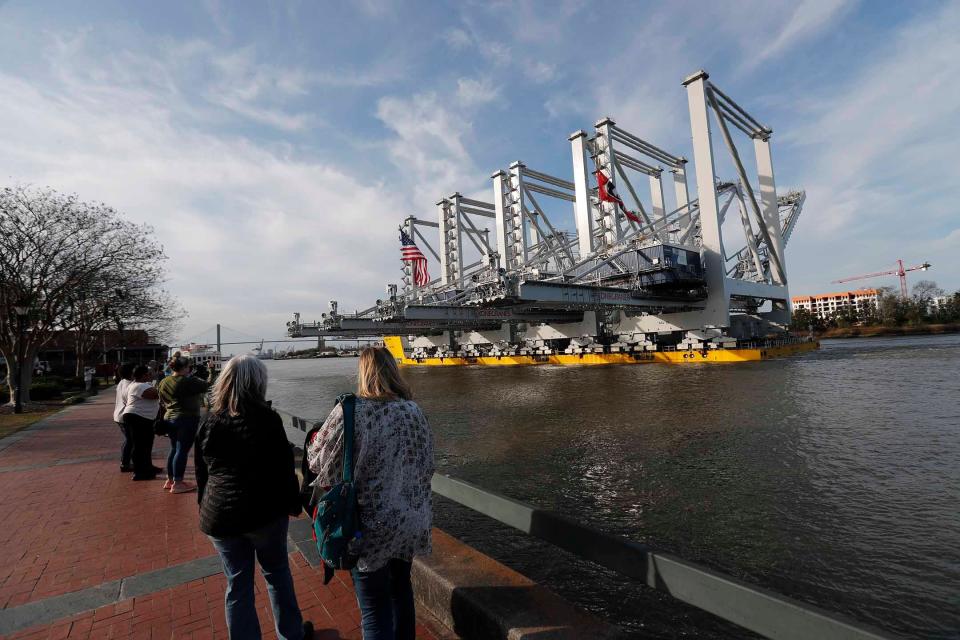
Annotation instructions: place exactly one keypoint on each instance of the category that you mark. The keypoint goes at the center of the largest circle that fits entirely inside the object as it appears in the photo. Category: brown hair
(178, 363)
(379, 376)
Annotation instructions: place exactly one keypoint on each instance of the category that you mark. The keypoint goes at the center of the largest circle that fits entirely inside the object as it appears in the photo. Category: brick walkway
(119, 558)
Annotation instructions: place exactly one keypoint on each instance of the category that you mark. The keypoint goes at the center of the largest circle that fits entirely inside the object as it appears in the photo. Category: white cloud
(429, 145)
(476, 91)
(949, 242)
(257, 91)
(880, 173)
(495, 52)
(215, 10)
(539, 71)
(458, 39)
(809, 18)
(490, 49)
(252, 230)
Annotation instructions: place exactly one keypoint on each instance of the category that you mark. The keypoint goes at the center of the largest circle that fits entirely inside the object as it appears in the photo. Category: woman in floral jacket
(392, 471)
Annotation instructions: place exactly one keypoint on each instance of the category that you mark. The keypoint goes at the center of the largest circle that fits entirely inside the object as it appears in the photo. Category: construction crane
(900, 271)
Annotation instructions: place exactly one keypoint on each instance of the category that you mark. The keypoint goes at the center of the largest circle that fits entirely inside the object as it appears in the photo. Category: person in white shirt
(124, 377)
(139, 412)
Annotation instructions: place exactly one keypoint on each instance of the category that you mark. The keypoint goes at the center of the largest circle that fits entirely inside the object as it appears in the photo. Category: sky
(275, 146)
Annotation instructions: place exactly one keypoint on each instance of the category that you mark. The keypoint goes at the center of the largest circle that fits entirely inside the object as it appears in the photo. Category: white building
(826, 305)
(937, 303)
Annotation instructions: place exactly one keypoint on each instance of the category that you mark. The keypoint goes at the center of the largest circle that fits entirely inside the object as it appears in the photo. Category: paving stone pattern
(87, 553)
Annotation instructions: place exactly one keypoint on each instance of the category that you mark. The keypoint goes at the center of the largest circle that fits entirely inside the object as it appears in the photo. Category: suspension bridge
(231, 341)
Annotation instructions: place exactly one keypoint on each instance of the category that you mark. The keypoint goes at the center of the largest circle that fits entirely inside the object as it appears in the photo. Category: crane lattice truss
(900, 271)
(553, 258)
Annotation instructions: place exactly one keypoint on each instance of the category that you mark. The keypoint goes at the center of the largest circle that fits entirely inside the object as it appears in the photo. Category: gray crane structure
(628, 278)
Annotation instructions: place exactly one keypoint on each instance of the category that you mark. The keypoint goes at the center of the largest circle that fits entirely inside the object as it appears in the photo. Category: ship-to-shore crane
(900, 271)
(562, 267)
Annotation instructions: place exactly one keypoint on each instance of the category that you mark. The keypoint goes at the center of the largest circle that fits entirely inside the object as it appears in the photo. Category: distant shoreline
(885, 332)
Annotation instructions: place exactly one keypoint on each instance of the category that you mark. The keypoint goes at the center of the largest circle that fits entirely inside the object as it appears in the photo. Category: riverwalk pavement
(87, 553)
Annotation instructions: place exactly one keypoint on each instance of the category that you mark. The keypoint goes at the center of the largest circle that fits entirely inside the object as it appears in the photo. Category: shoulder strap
(348, 402)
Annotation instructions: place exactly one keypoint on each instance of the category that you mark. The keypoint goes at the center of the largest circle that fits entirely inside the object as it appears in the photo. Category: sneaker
(307, 630)
(167, 484)
(183, 487)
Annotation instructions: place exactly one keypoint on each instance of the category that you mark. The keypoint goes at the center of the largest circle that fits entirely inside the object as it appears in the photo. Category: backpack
(335, 514)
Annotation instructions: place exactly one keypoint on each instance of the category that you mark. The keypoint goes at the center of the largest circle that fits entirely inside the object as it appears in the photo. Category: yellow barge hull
(395, 345)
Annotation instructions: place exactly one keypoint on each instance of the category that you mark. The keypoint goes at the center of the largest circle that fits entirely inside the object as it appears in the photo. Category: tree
(890, 311)
(802, 321)
(126, 299)
(846, 316)
(926, 290)
(75, 265)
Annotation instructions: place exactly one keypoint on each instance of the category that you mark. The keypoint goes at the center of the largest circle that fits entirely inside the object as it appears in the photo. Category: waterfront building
(826, 305)
(200, 354)
(106, 349)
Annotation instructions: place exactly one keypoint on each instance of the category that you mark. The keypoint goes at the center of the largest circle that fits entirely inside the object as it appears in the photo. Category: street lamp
(22, 312)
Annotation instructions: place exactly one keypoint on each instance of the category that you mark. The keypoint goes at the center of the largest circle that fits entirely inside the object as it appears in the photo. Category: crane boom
(899, 271)
(867, 275)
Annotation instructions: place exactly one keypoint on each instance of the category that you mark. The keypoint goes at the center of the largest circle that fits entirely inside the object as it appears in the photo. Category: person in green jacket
(181, 395)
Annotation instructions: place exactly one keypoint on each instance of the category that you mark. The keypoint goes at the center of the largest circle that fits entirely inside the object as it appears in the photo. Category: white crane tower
(597, 262)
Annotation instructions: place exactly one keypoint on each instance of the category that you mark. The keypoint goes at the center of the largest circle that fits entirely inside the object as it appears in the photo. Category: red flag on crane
(608, 193)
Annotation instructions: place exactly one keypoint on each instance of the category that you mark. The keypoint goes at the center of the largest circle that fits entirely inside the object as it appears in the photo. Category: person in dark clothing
(140, 410)
(124, 378)
(247, 489)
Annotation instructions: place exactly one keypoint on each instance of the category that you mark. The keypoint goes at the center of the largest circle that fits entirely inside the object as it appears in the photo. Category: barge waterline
(711, 356)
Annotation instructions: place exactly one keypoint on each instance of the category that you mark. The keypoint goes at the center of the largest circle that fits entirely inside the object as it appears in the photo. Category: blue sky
(275, 146)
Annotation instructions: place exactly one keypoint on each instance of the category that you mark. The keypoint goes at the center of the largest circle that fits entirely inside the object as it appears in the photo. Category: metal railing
(760, 610)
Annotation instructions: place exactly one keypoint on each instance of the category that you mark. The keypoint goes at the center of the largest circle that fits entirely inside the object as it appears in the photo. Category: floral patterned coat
(393, 446)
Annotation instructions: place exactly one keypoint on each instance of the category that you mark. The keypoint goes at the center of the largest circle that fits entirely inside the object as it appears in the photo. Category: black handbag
(160, 427)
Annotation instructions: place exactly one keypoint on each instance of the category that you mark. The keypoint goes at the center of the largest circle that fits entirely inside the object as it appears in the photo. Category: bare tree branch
(80, 267)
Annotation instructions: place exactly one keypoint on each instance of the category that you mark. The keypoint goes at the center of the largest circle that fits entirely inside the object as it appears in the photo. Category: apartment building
(937, 303)
(826, 305)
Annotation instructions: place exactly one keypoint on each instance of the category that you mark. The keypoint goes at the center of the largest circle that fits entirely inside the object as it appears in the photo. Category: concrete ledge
(477, 597)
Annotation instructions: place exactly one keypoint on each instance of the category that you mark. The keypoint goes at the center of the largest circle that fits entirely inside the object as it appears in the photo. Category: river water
(833, 477)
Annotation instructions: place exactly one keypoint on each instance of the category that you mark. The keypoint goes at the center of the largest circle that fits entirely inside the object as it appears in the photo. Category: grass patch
(12, 422)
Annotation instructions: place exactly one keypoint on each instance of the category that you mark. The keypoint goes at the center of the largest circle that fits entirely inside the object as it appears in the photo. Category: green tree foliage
(803, 321)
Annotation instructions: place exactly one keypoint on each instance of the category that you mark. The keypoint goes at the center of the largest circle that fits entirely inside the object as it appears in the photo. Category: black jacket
(245, 473)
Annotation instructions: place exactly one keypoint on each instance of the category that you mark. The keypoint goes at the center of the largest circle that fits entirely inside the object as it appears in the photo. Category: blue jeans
(182, 432)
(269, 546)
(385, 597)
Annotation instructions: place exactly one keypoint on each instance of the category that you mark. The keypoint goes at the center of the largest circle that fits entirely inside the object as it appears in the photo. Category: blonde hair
(379, 376)
(242, 382)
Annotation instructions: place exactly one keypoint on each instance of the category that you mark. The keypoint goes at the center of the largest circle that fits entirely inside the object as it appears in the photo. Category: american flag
(409, 252)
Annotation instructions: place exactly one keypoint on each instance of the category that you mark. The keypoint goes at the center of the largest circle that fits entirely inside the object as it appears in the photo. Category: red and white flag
(607, 191)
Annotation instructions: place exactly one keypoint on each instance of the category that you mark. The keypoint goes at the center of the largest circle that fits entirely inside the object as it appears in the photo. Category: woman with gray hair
(247, 489)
